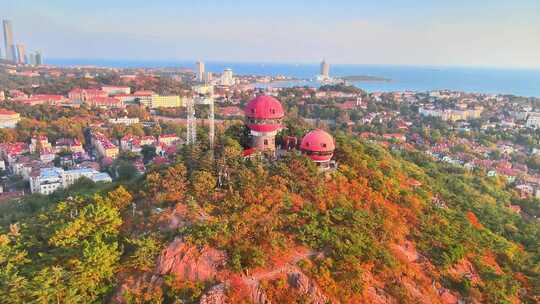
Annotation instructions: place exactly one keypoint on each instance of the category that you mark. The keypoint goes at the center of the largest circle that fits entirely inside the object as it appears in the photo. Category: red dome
(264, 107)
(318, 145)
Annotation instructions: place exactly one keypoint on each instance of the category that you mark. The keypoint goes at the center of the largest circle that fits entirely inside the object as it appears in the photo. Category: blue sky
(443, 32)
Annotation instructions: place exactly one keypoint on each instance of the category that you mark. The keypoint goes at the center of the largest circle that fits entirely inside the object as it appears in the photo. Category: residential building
(82, 95)
(48, 180)
(124, 120)
(168, 139)
(105, 102)
(159, 101)
(9, 119)
(39, 142)
(227, 78)
(452, 114)
(47, 155)
(144, 97)
(104, 147)
(114, 90)
(71, 145)
(533, 120)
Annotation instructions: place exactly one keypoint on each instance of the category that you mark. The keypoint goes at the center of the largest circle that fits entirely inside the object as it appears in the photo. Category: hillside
(385, 227)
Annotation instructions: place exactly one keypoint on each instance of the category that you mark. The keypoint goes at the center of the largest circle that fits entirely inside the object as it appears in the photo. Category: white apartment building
(124, 120)
(533, 121)
(48, 180)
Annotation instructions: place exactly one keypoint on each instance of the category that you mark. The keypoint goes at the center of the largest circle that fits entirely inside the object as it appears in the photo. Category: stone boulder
(189, 263)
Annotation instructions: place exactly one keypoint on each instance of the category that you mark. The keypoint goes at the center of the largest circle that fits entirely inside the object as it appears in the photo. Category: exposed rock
(306, 286)
(187, 262)
(375, 295)
(216, 295)
(464, 268)
(407, 250)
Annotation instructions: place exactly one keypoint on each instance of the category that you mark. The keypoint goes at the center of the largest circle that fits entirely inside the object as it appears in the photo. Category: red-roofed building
(148, 140)
(104, 147)
(9, 119)
(168, 139)
(46, 98)
(73, 145)
(10, 151)
(319, 146)
(264, 119)
(349, 104)
(144, 93)
(83, 95)
(144, 97)
(130, 143)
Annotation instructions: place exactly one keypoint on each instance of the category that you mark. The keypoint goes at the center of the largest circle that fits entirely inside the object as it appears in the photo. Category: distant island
(365, 78)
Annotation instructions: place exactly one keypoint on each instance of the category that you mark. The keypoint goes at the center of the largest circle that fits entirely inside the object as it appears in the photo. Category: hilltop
(384, 227)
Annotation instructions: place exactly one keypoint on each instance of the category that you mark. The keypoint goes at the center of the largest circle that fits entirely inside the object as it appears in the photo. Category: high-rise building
(21, 53)
(227, 78)
(32, 59)
(208, 77)
(39, 58)
(200, 71)
(8, 41)
(325, 69)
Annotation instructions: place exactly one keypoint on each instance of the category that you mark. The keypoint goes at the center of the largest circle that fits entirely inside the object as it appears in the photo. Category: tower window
(266, 142)
(324, 145)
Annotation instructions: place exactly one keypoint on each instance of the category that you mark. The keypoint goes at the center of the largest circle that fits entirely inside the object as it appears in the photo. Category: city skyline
(454, 33)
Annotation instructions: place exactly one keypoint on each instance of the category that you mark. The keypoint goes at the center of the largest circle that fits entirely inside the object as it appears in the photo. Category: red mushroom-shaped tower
(319, 146)
(264, 115)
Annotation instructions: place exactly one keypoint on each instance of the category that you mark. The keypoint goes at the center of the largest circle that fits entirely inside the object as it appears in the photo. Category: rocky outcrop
(216, 295)
(184, 261)
(306, 286)
(188, 263)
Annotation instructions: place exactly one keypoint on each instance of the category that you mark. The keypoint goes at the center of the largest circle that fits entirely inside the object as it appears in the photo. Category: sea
(519, 82)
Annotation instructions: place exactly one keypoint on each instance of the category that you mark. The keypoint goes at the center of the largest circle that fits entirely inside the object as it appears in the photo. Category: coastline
(519, 82)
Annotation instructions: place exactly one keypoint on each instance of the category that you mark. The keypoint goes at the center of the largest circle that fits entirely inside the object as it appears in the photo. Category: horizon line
(305, 63)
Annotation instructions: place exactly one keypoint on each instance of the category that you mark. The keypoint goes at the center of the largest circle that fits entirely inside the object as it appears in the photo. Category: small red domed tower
(264, 115)
(319, 146)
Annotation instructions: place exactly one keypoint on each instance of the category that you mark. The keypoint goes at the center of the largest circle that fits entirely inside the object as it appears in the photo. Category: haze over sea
(521, 82)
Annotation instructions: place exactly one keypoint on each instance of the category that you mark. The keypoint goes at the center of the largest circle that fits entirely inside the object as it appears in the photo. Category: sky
(491, 33)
